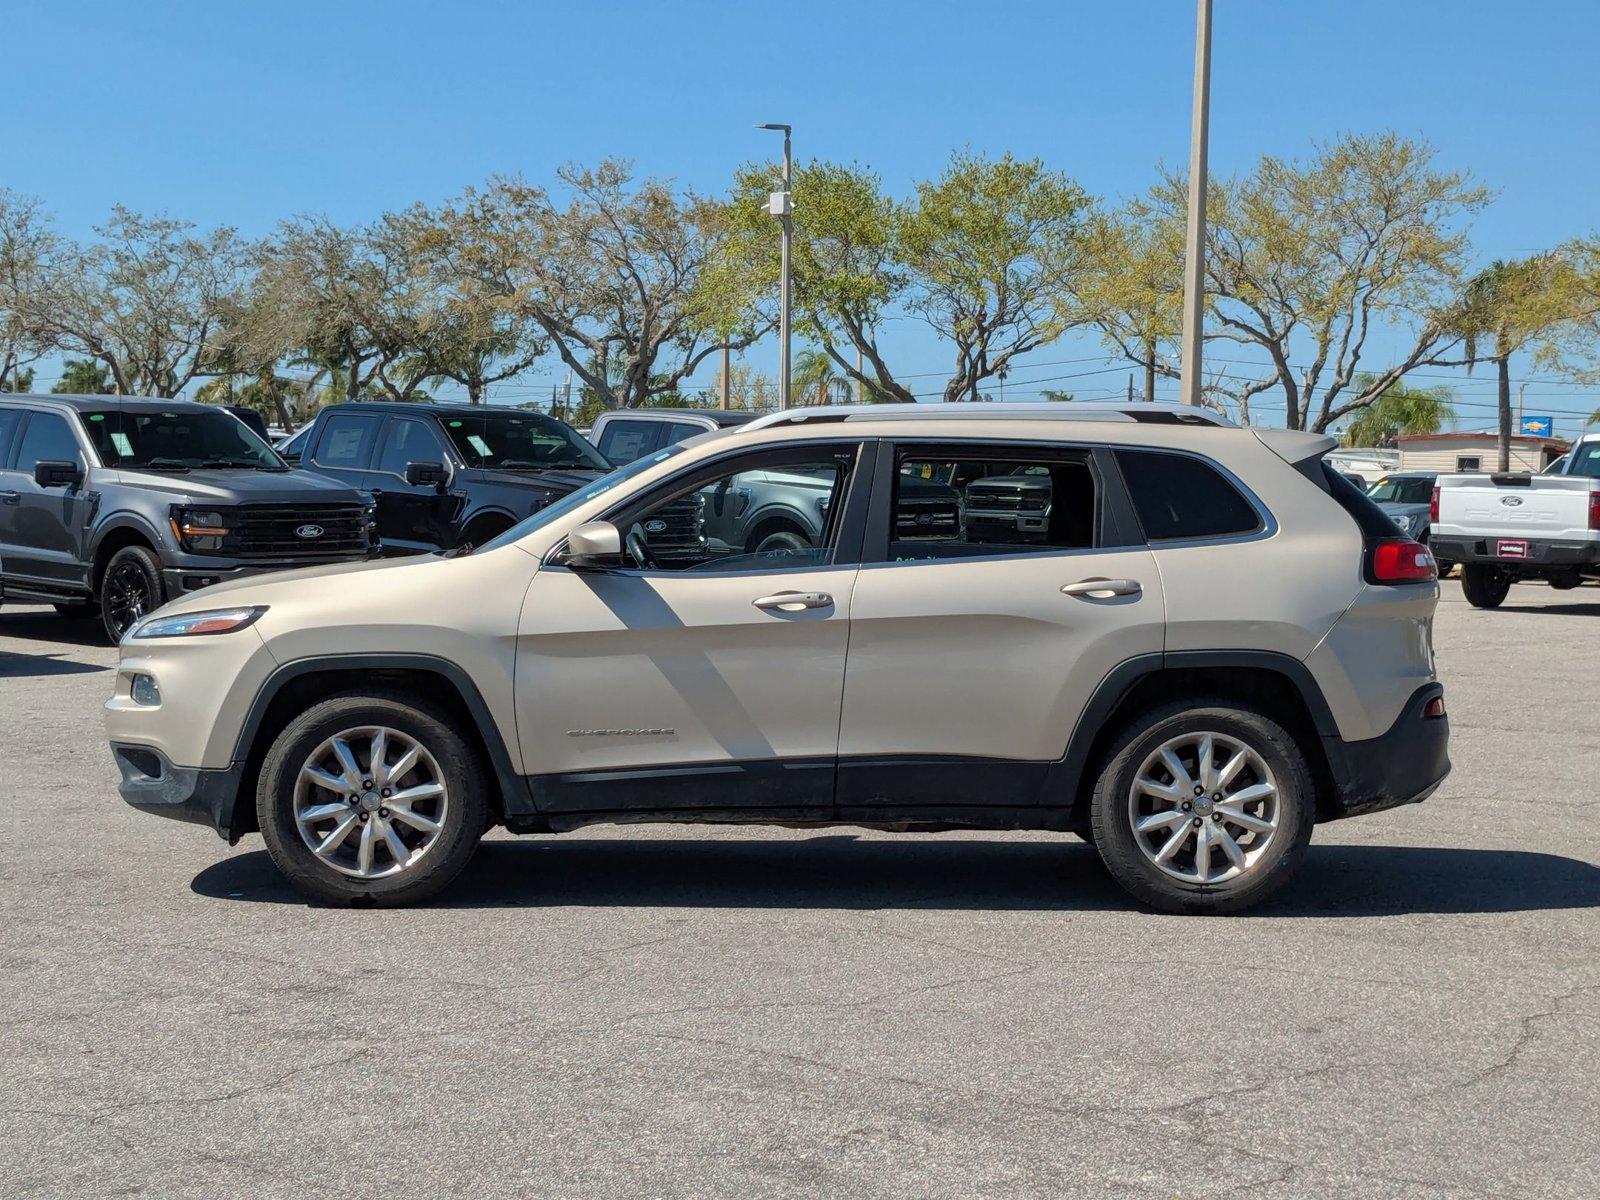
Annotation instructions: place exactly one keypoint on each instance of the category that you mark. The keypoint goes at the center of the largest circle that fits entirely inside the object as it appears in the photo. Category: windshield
(1400, 490)
(1586, 460)
(580, 497)
(179, 440)
(520, 441)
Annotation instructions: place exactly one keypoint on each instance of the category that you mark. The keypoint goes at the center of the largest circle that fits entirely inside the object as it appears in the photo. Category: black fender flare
(513, 787)
(124, 519)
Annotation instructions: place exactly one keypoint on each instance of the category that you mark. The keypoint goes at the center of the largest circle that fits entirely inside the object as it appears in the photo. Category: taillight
(1433, 710)
(1433, 507)
(1594, 510)
(1402, 561)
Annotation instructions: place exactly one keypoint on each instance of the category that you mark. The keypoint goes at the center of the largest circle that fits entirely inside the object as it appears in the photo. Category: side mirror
(53, 473)
(595, 546)
(427, 474)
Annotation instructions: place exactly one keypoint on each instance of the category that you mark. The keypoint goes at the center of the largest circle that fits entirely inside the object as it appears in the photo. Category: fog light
(145, 691)
(1433, 709)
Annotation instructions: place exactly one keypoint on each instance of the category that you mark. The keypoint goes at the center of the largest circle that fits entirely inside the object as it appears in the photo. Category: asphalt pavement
(663, 1011)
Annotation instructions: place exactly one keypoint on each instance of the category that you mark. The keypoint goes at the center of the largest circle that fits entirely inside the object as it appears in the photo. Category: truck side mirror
(427, 474)
(595, 546)
(54, 473)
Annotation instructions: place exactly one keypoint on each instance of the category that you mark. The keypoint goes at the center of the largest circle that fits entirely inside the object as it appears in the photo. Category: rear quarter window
(1178, 498)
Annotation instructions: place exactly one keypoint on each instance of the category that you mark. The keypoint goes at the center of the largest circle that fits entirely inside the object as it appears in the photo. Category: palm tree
(817, 378)
(1399, 410)
(84, 377)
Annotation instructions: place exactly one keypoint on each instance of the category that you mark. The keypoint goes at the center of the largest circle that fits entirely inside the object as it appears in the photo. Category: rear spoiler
(1295, 446)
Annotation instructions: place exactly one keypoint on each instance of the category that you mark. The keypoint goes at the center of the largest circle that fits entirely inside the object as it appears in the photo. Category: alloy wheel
(370, 802)
(128, 596)
(1203, 807)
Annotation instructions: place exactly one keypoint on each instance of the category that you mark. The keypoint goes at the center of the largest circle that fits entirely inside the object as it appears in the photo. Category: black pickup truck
(446, 475)
(112, 505)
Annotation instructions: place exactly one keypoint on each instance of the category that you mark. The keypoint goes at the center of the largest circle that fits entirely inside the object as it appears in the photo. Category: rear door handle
(1103, 589)
(793, 601)
(10, 497)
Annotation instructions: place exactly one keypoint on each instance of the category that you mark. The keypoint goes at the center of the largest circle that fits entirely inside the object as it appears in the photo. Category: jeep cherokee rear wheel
(1203, 808)
(373, 798)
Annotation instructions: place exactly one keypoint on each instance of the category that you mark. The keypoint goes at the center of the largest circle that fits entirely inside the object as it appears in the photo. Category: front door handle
(10, 497)
(793, 601)
(1103, 589)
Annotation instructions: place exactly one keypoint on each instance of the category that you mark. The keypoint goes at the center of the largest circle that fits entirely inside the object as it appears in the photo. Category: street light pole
(781, 205)
(1194, 247)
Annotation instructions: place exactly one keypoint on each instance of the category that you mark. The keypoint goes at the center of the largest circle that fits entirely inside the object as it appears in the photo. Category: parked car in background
(624, 435)
(1407, 497)
(112, 505)
(1129, 676)
(446, 475)
(1506, 528)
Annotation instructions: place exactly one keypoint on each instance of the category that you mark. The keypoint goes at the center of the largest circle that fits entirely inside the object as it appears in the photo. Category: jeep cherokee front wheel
(371, 798)
(1203, 808)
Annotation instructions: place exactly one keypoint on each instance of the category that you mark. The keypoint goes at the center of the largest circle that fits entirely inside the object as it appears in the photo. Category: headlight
(199, 529)
(217, 620)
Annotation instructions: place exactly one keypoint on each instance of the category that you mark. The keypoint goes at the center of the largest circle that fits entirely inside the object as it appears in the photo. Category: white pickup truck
(1502, 528)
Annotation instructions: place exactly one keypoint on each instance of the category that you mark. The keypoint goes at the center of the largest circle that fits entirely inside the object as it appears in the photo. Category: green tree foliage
(83, 377)
(1400, 410)
(1304, 261)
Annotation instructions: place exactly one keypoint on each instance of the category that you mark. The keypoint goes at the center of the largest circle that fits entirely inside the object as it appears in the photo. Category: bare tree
(143, 300)
(616, 279)
(28, 246)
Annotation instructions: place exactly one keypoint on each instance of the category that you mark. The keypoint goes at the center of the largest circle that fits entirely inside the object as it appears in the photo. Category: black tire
(130, 587)
(1277, 860)
(464, 821)
(1565, 583)
(1484, 586)
(82, 610)
(779, 540)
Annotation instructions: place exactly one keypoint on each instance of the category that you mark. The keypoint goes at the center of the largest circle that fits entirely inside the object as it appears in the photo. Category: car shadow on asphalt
(44, 625)
(1557, 610)
(846, 872)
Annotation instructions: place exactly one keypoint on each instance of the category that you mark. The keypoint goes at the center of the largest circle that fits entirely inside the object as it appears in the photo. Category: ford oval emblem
(1511, 501)
(656, 526)
(308, 531)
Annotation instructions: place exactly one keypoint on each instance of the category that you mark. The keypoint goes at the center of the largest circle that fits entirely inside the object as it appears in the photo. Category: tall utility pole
(727, 380)
(1194, 246)
(858, 374)
(781, 205)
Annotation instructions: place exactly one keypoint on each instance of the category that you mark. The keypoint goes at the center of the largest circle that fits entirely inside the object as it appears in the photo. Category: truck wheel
(1484, 586)
(780, 541)
(130, 588)
(1565, 583)
(373, 798)
(1203, 807)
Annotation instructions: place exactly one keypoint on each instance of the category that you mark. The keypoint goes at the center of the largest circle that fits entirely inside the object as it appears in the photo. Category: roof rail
(1039, 410)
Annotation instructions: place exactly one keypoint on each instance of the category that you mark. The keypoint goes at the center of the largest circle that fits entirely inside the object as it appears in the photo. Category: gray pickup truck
(112, 505)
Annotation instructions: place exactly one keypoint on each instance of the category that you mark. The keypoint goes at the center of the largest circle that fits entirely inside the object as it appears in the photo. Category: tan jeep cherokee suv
(1215, 643)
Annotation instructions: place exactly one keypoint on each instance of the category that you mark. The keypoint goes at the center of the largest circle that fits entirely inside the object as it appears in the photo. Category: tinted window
(48, 438)
(1585, 460)
(682, 431)
(407, 442)
(1178, 497)
(10, 419)
(346, 442)
(179, 440)
(623, 441)
(1374, 522)
(965, 507)
(560, 508)
(1400, 489)
(519, 441)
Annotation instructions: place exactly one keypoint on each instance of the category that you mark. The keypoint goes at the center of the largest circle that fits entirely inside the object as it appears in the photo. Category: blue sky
(240, 113)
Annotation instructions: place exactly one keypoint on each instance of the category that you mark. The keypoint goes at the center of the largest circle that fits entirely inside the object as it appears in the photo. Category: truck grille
(269, 530)
(926, 519)
(1009, 499)
(676, 531)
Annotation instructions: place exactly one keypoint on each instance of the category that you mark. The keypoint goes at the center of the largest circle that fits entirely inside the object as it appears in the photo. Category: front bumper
(1543, 555)
(1403, 766)
(152, 784)
(1007, 525)
(193, 572)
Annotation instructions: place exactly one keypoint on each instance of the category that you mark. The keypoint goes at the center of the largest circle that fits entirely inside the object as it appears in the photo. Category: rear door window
(1180, 498)
(345, 442)
(625, 440)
